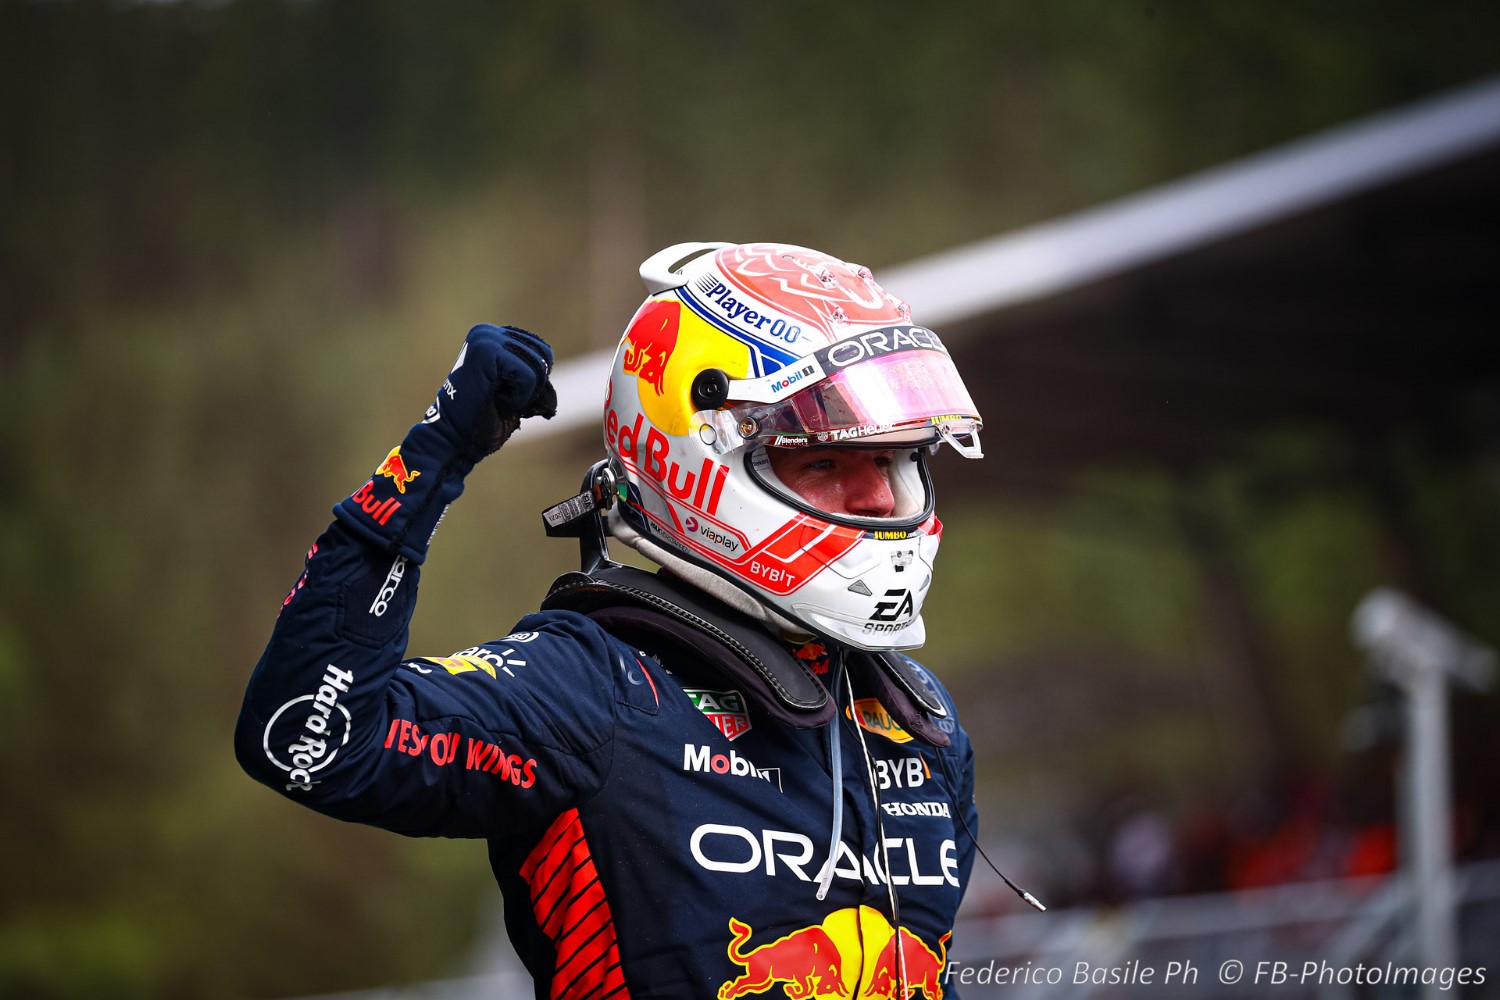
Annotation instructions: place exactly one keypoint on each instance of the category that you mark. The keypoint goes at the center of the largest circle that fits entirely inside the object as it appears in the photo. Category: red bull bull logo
(394, 467)
(650, 342)
(815, 655)
(829, 960)
(906, 966)
(664, 349)
(807, 961)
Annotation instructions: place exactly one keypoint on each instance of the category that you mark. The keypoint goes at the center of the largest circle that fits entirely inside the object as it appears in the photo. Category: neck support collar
(623, 599)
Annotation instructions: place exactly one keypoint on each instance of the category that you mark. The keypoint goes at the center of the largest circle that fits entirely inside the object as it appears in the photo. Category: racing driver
(721, 779)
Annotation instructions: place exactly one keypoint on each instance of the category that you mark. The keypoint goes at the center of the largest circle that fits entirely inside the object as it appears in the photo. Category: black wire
(883, 852)
(1028, 897)
(959, 812)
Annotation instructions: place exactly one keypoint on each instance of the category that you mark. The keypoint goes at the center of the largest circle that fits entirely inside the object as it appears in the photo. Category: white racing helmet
(743, 347)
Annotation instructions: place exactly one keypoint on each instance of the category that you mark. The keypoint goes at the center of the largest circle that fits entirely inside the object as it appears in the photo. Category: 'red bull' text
(379, 510)
(700, 489)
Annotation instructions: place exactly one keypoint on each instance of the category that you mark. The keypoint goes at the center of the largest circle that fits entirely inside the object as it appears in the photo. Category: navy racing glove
(502, 376)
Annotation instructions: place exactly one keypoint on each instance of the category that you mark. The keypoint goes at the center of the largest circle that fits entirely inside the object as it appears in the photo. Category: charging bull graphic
(831, 960)
(652, 338)
(805, 960)
(665, 348)
(394, 466)
(924, 970)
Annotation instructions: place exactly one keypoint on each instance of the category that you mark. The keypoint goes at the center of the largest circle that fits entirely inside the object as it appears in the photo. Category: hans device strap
(648, 606)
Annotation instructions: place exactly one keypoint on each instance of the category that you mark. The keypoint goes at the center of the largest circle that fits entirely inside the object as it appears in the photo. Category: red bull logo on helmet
(664, 349)
(829, 960)
(394, 467)
(650, 342)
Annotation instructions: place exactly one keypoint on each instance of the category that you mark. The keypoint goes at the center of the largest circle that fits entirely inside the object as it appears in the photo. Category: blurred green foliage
(238, 241)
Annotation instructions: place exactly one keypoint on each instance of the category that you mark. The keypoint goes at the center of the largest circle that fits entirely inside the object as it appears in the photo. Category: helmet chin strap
(715, 586)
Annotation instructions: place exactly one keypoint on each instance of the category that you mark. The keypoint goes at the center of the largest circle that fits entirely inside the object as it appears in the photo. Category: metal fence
(1336, 940)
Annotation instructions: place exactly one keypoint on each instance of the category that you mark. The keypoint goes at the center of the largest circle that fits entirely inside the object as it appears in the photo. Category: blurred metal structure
(1421, 653)
(1291, 941)
(1292, 284)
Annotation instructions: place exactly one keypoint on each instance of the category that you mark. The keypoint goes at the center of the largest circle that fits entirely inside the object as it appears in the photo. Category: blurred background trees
(239, 241)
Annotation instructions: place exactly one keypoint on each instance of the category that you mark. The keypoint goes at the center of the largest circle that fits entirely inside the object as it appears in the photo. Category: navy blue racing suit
(654, 829)
(652, 833)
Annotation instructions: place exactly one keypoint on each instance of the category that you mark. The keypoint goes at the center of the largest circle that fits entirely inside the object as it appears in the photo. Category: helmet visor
(910, 397)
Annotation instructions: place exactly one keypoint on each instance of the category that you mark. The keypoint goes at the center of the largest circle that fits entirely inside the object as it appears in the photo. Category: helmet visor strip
(912, 395)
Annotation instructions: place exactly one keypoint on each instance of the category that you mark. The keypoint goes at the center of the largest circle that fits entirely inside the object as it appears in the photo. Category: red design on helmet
(813, 352)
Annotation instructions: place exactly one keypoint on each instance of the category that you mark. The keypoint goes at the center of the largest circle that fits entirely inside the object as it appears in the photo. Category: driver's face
(841, 481)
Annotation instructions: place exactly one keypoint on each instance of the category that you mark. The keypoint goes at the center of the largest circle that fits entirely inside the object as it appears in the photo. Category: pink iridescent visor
(910, 395)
